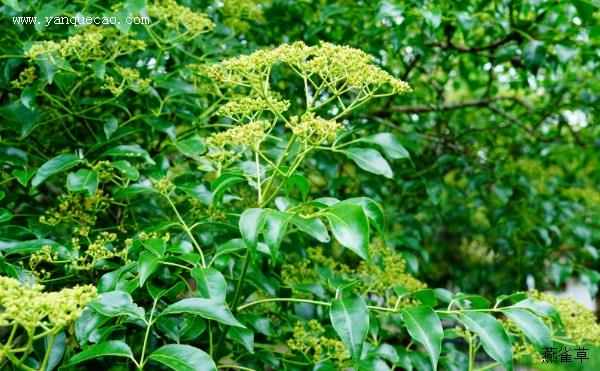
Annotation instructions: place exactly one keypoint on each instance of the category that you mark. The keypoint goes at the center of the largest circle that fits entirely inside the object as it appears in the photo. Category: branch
(447, 45)
(453, 106)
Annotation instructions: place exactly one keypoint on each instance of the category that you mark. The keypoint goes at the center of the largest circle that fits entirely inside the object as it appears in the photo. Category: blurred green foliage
(488, 173)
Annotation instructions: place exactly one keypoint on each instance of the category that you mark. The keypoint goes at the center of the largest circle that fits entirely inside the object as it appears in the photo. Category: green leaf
(424, 325)
(182, 357)
(369, 160)
(433, 17)
(162, 125)
(532, 326)
(211, 283)
(541, 308)
(560, 272)
(251, 222)
(113, 348)
(13, 156)
(493, 337)
(192, 147)
(129, 150)
(110, 126)
(389, 143)
(314, 227)
(534, 54)
(57, 351)
(373, 210)
(350, 227)
(83, 180)
(147, 264)
(53, 166)
(99, 68)
(276, 223)
(117, 303)
(13, 4)
(126, 168)
(476, 301)
(5, 215)
(205, 308)
(297, 181)
(171, 292)
(223, 183)
(23, 176)
(156, 246)
(350, 319)
(22, 117)
(243, 336)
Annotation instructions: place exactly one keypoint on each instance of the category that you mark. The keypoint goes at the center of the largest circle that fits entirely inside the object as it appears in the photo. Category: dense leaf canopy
(297, 184)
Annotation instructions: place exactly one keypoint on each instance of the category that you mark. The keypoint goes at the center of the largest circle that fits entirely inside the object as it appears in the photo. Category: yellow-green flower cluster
(30, 308)
(96, 251)
(380, 278)
(252, 107)
(130, 78)
(81, 44)
(26, 77)
(388, 271)
(314, 129)
(176, 16)
(579, 322)
(164, 185)
(78, 207)
(526, 350)
(294, 53)
(247, 135)
(238, 13)
(332, 63)
(83, 259)
(92, 42)
(310, 340)
(219, 155)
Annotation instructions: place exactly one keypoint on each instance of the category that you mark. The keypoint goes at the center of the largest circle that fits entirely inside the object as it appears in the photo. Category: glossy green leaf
(532, 326)
(350, 227)
(126, 168)
(129, 150)
(23, 176)
(251, 223)
(297, 181)
(5, 215)
(313, 226)
(110, 126)
(373, 210)
(211, 283)
(541, 308)
(83, 180)
(162, 125)
(369, 160)
(156, 246)
(350, 319)
(493, 337)
(276, 223)
(534, 54)
(117, 303)
(389, 143)
(53, 166)
(181, 357)
(13, 156)
(243, 336)
(424, 325)
(147, 264)
(112, 348)
(223, 183)
(191, 147)
(205, 308)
